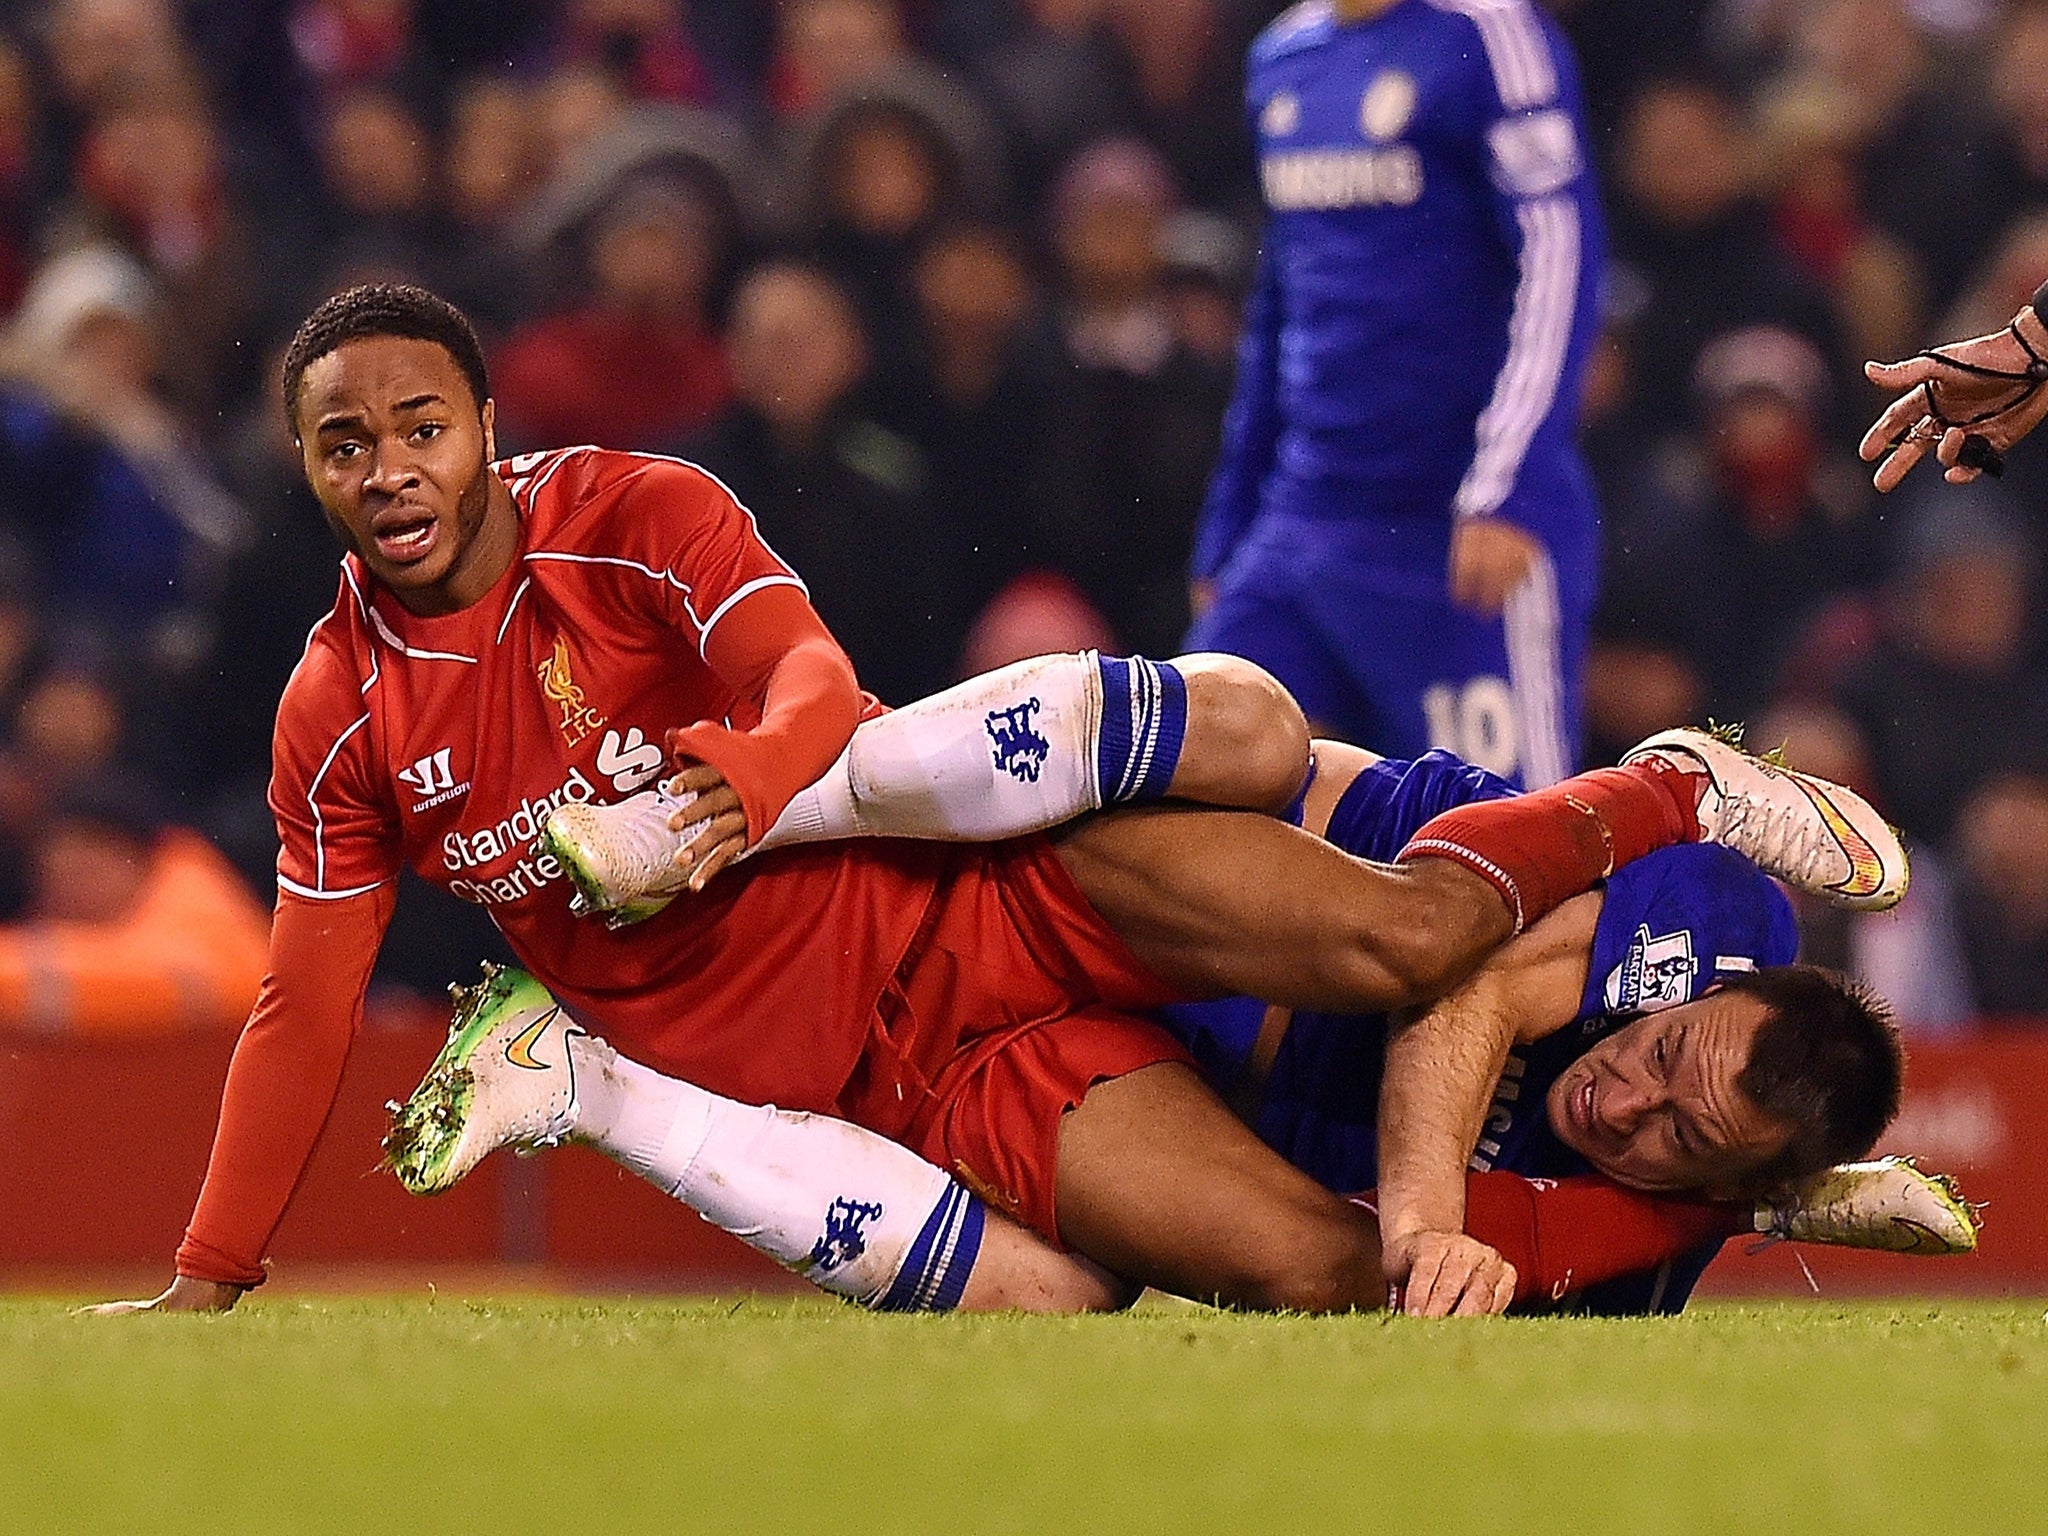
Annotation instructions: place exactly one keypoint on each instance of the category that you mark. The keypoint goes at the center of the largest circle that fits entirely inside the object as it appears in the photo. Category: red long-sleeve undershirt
(1563, 1235)
(283, 1078)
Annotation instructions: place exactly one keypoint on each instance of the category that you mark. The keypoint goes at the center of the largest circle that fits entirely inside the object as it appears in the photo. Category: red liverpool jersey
(446, 741)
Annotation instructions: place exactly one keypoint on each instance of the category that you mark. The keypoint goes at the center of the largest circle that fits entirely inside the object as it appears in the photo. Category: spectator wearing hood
(98, 476)
(630, 358)
(882, 164)
(842, 497)
(1750, 532)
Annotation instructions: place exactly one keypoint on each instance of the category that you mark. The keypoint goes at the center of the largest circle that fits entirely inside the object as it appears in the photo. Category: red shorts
(1014, 999)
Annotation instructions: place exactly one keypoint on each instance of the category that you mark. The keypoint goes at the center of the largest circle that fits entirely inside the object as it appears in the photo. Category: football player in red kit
(512, 636)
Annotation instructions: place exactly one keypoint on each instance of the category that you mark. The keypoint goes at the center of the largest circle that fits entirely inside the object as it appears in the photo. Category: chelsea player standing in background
(1400, 526)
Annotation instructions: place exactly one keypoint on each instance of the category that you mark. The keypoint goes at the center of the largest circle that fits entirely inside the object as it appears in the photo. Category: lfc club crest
(578, 718)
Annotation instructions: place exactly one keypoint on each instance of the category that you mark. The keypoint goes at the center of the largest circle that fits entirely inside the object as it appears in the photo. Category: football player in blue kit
(1400, 527)
(1587, 1073)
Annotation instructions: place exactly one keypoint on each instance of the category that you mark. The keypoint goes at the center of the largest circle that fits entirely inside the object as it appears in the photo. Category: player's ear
(490, 420)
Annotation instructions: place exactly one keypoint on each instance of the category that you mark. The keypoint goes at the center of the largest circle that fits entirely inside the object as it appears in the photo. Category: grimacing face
(1657, 1106)
(398, 450)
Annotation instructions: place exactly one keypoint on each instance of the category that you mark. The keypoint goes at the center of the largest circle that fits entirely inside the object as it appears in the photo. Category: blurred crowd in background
(947, 291)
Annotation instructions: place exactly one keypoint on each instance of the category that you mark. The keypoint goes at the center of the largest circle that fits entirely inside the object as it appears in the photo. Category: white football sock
(1012, 751)
(845, 1208)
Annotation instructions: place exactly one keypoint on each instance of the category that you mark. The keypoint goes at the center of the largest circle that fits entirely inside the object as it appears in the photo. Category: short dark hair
(382, 309)
(1827, 1061)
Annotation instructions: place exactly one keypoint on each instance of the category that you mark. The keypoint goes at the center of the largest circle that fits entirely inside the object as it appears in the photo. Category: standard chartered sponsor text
(514, 833)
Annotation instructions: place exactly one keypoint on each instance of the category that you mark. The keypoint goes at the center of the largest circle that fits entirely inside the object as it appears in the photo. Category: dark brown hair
(1828, 1062)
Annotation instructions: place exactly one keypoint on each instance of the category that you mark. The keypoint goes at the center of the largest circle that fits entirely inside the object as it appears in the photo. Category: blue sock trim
(935, 1271)
(1144, 722)
(1113, 744)
(1173, 731)
(902, 1293)
(966, 1249)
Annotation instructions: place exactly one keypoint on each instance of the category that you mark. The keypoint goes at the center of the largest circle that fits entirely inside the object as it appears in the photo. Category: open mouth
(403, 541)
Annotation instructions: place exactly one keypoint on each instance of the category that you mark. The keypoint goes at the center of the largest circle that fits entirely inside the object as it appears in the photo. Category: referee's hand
(1901, 436)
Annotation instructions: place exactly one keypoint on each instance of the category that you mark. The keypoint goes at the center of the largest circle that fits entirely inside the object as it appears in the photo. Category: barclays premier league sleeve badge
(1658, 971)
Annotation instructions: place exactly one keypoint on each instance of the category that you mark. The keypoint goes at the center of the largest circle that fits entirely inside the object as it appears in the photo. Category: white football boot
(1886, 1204)
(1804, 830)
(621, 858)
(503, 1079)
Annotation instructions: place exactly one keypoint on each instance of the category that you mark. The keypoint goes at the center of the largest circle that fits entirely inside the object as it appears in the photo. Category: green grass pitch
(383, 1416)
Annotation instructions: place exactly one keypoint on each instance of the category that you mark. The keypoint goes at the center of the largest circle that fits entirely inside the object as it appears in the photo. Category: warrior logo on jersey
(578, 718)
(432, 777)
(1388, 104)
(1020, 751)
(844, 1240)
(1657, 972)
(1282, 115)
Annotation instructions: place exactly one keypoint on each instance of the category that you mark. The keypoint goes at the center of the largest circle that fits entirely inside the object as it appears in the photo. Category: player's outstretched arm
(1442, 1065)
(280, 1086)
(1969, 401)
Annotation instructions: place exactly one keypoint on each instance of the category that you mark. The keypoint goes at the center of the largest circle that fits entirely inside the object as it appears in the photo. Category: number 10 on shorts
(1476, 720)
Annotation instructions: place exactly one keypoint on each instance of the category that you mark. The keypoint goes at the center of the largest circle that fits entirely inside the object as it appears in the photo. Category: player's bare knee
(1247, 740)
(1329, 1269)
(1316, 1292)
